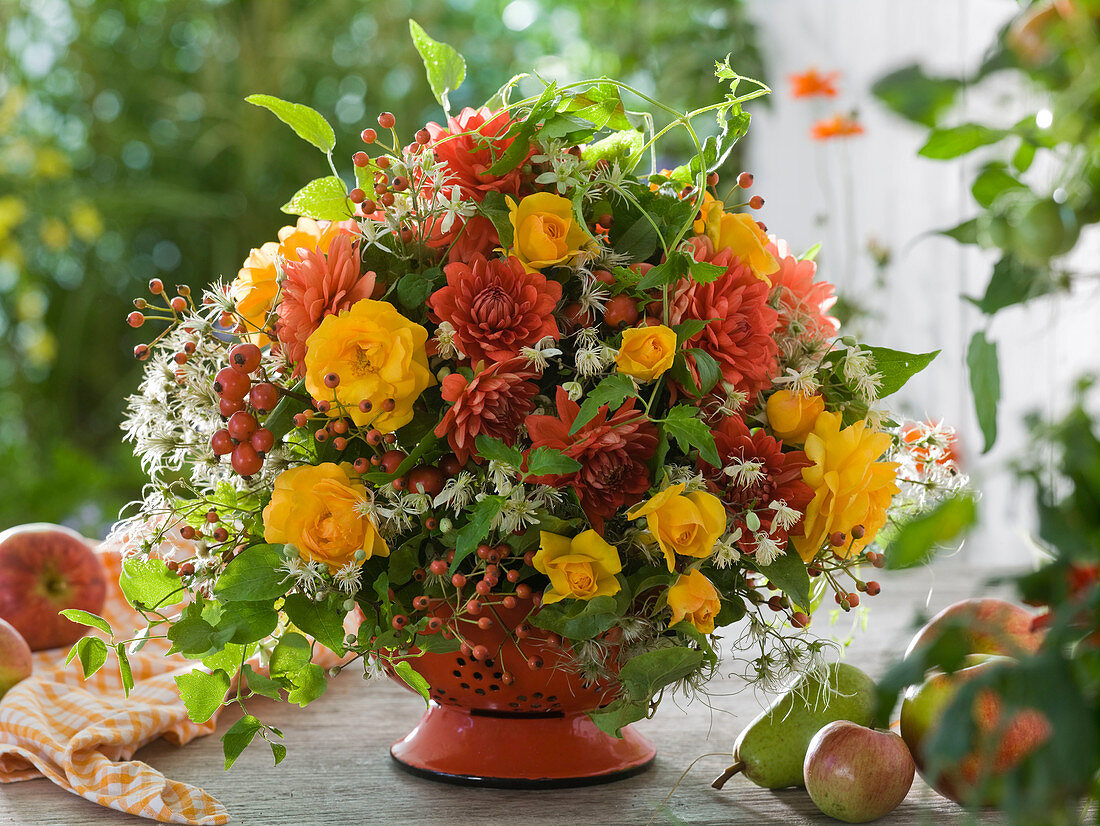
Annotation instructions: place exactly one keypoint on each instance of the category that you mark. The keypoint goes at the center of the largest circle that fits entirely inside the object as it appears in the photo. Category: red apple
(43, 570)
(857, 774)
(990, 626)
(15, 657)
(1001, 743)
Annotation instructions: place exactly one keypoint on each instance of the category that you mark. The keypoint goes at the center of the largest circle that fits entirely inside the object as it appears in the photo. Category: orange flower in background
(850, 487)
(838, 126)
(255, 287)
(813, 83)
(693, 597)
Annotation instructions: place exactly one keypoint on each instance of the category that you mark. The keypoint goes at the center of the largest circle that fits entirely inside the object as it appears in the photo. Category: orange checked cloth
(82, 735)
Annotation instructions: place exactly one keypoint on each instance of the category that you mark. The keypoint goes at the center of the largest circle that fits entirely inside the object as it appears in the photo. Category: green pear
(772, 748)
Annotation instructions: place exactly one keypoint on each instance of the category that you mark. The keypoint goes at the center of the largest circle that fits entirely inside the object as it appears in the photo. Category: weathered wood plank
(339, 771)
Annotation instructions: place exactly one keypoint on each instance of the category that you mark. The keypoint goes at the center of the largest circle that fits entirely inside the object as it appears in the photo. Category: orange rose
(792, 415)
(544, 230)
(693, 597)
(319, 510)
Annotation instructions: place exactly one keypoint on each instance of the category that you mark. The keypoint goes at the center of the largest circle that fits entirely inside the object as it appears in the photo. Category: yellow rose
(738, 232)
(254, 289)
(579, 568)
(544, 232)
(378, 355)
(683, 523)
(850, 487)
(792, 415)
(646, 352)
(693, 597)
(318, 510)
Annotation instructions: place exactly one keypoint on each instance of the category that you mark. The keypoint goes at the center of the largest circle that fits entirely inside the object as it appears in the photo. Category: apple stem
(721, 779)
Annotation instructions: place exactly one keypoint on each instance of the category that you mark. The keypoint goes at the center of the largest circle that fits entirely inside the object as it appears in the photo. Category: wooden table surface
(338, 770)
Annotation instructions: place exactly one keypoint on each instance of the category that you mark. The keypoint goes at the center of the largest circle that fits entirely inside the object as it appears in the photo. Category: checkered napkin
(82, 734)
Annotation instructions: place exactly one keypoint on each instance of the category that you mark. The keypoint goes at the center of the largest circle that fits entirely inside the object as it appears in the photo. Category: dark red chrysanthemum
(612, 450)
(492, 403)
(739, 335)
(469, 145)
(496, 306)
(317, 286)
(779, 479)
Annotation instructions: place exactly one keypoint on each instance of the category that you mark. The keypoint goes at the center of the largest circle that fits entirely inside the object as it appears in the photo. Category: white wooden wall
(896, 197)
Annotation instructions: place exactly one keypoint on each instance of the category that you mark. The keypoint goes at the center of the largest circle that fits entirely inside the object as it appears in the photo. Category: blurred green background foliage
(127, 153)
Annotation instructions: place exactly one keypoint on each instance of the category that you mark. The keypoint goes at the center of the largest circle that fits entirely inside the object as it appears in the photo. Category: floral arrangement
(506, 367)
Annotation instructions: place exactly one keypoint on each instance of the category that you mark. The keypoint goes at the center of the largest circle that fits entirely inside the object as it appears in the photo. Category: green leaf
(477, 529)
(897, 367)
(789, 574)
(707, 366)
(1013, 282)
(611, 719)
(915, 95)
(259, 684)
(202, 693)
(443, 65)
(309, 684)
(124, 670)
(985, 385)
(414, 288)
(811, 253)
(496, 451)
(495, 208)
(991, 182)
(623, 145)
(92, 652)
(600, 104)
(254, 574)
(87, 618)
(405, 560)
(578, 619)
(544, 461)
(669, 271)
(324, 621)
(688, 431)
(689, 329)
(191, 636)
(229, 658)
(919, 538)
(704, 273)
(522, 132)
(323, 199)
(413, 679)
(964, 233)
(236, 740)
(147, 583)
(646, 674)
(308, 124)
(612, 391)
(291, 654)
(944, 144)
(244, 622)
(278, 751)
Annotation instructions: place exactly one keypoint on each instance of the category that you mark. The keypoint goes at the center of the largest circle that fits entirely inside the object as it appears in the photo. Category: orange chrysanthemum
(838, 126)
(813, 83)
(803, 302)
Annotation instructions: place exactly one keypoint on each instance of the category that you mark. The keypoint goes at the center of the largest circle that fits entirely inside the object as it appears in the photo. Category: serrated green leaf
(309, 684)
(254, 574)
(789, 574)
(229, 658)
(324, 621)
(124, 670)
(236, 740)
(308, 124)
(612, 391)
(669, 271)
(92, 653)
(646, 674)
(202, 693)
(944, 144)
(897, 367)
(625, 145)
(682, 425)
(544, 461)
(443, 65)
(494, 450)
(704, 273)
(259, 684)
(985, 385)
(149, 584)
(919, 538)
(413, 679)
(477, 529)
(323, 199)
(291, 654)
(414, 288)
(87, 618)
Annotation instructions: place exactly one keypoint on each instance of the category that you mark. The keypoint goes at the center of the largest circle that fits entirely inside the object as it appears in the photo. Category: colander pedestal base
(501, 750)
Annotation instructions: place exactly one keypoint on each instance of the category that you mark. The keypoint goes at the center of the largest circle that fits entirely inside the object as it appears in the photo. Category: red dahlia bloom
(475, 236)
(803, 302)
(779, 479)
(317, 286)
(739, 337)
(612, 449)
(496, 306)
(493, 403)
(469, 156)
